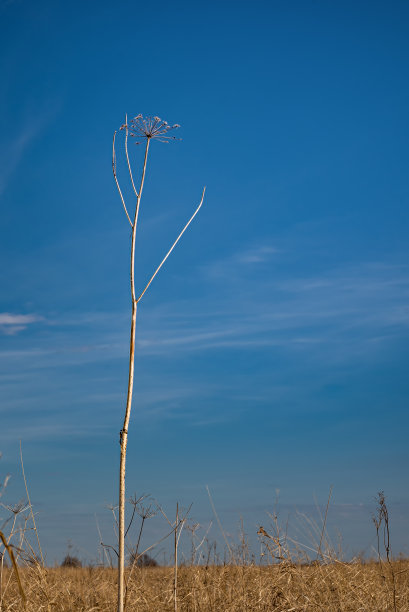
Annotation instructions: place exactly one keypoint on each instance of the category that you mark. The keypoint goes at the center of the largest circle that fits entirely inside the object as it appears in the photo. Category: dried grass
(285, 587)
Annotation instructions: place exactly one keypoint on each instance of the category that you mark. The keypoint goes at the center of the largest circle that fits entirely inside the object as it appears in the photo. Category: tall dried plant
(142, 130)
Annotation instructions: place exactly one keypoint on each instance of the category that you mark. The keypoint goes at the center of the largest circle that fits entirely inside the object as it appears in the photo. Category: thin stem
(175, 578)
(100, 541)
(109, 546)
(197, 549)
(123, 442)
(116, 180)
(127, 156)
(130, 522)
(324, 523)
(142, 181)
(31, 507)
(139, 537)
(173, 246)
(219, 523)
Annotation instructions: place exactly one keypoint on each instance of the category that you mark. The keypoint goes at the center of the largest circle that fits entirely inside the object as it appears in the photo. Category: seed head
(150, 127)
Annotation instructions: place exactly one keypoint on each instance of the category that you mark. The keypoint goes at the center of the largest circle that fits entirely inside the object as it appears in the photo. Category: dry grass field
(287, 576)
(285, 587)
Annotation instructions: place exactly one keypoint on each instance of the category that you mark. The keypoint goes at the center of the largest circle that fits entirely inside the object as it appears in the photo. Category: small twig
(173, 245)
(139, 536)
(116, 180)
(100, 540)
(109, 546)
(134, 502)
(130, 522)
(112, 508)
(197, 549)
(161, 510)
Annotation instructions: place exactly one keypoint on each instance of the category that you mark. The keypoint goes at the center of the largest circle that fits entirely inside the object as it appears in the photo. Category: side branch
(116, 180)
(173, 246)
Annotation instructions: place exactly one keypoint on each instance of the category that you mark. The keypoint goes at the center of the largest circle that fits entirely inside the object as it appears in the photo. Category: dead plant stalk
(144, 129)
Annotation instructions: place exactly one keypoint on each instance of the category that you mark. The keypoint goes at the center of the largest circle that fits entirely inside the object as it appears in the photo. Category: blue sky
(272, 350)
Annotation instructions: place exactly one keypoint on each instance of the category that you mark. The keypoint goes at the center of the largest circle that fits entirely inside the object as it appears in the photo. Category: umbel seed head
(149, 127)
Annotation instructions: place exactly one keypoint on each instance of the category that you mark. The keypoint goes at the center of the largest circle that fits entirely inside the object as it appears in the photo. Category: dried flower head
(150, 127)
(21, 506)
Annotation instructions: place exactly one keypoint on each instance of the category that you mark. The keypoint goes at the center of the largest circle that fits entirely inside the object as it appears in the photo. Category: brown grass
(334, 587)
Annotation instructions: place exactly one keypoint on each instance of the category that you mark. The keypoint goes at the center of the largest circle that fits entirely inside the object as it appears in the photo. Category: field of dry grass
(286, 576)
(333, 587)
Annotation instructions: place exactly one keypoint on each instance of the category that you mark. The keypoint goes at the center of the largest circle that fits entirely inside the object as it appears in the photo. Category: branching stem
(156, 130)
(124, 430)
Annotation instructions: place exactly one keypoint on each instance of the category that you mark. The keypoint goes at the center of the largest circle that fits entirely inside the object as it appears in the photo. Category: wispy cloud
(7, 318)
(347, 315)
(11, 324)
(257, 255)
(245, 260)
(350, 309)
(347, 308)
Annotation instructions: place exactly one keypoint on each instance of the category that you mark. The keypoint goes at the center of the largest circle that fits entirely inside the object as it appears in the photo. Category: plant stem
(124, 430)
(175, 576)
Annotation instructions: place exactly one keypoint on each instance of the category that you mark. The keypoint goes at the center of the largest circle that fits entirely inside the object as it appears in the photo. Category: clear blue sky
(273, 349)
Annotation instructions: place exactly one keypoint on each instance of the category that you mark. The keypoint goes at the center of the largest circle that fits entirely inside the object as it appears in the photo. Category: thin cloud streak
(360, 305)
(12, 324)
(235, 264)
(352, 309)
(7, 318)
